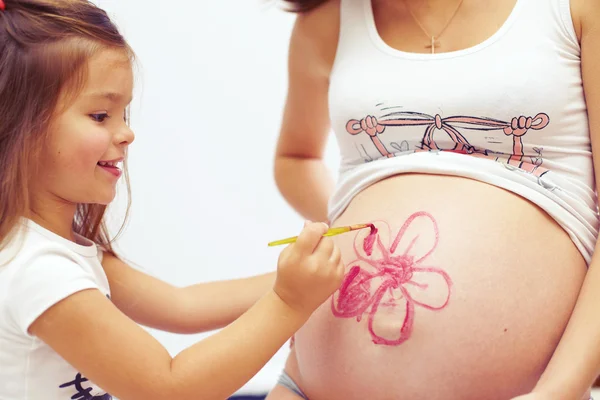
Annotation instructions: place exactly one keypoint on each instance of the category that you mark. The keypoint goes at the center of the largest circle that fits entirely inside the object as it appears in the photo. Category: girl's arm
(576, 362)
(108, 348)
(198, 308)
(300, 173)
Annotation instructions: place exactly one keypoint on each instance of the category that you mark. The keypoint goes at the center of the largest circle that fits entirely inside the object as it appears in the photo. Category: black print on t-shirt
(83, 394)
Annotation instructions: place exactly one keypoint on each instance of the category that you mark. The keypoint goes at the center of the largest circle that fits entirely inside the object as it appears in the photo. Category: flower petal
(369, 244)
(391, 316)
(418, 237)
(429, 287)
(354, 296)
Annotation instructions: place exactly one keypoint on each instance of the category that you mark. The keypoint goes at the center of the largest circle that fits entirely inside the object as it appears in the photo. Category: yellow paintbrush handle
(330, 232)
(283, 241)
(337, 231)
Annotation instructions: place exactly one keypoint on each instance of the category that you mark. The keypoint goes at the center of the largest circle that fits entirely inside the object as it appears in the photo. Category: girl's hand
(309, 271)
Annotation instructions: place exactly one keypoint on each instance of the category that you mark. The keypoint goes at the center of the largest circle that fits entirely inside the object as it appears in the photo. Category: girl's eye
(99, 117)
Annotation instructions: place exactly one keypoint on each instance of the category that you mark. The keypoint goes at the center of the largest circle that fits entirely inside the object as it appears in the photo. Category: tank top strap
(354, 24)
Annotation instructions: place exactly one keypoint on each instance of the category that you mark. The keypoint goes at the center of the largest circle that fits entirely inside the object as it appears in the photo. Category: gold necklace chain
(433, 38)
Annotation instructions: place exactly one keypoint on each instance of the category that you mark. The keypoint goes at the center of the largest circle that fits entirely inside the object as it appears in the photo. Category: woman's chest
(506, 100)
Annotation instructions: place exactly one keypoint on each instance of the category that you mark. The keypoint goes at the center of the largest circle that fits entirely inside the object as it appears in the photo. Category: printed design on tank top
(83, 393)
(390, 277)
(434, 125)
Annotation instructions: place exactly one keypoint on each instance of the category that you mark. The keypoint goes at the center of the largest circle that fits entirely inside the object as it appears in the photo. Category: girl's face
(82, 159)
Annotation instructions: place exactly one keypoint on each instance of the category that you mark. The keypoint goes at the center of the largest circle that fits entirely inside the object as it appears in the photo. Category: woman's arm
(576, 361)
(108, 348)
(300, 174)
(198, 308)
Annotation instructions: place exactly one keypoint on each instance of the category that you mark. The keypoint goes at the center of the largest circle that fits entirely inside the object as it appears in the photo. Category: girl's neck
(55, 215)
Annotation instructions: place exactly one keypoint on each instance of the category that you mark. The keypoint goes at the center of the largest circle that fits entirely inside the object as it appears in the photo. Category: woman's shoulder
(585, 15)
(316, 33)
(327, 12)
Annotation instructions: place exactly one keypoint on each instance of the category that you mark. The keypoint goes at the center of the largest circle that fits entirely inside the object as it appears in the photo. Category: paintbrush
(330, 232)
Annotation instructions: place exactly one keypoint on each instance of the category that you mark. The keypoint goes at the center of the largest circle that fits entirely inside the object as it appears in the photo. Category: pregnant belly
(463, 292)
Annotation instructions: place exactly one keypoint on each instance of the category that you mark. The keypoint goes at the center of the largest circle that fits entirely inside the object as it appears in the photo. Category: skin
(302, 142)
(93, 333)
(89, 130)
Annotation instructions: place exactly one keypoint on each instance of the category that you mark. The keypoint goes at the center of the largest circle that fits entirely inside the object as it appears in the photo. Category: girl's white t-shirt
(37, 270)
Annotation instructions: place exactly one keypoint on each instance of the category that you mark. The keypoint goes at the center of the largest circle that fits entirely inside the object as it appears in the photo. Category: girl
(68, 305)
(466, 131)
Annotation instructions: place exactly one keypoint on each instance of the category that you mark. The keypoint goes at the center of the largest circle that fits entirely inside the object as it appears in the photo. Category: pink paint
(359, 294)
(370, 240)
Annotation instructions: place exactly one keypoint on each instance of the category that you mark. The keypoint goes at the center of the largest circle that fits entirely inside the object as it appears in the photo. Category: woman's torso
(475, 313)
(502, 280)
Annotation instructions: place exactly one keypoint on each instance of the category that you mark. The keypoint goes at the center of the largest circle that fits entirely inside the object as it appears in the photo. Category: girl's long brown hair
(300, 6)
(44, 49)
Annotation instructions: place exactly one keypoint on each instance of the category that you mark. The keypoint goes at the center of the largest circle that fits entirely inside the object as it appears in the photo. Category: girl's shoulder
(39, 269)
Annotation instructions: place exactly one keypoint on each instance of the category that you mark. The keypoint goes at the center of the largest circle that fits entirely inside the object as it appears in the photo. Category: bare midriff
(461, 291)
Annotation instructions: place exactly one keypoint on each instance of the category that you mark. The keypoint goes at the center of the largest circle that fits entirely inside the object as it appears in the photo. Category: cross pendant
(433, 45)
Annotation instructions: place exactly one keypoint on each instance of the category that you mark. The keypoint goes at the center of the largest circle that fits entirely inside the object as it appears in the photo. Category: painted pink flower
(389, 278)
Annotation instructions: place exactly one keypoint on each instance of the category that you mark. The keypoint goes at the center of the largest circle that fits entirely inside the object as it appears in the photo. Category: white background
(211, 84)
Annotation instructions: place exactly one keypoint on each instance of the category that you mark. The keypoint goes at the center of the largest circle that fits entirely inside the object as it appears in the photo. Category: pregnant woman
(466, 131)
